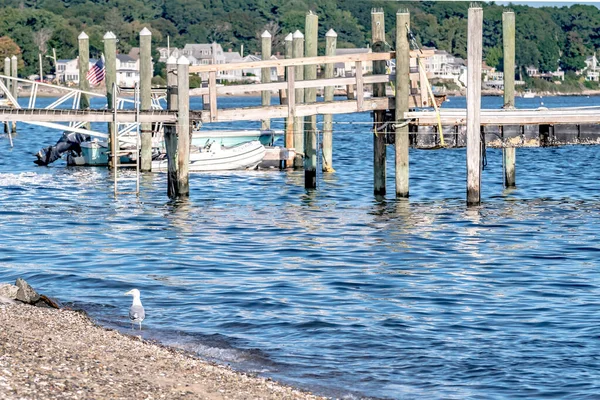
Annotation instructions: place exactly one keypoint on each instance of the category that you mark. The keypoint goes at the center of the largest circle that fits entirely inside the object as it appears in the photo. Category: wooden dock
(398, 119)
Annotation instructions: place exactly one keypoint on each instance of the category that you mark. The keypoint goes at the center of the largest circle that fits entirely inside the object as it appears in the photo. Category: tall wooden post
(265, 74)
(297, 52)
(170, 130)
(289, 122)
(508, 39)
(183, 127)
(402, 94)
(84, 67)
(110, 65)
(330, 47)
(146, 97)
(8, 84)
(474, 59)
(310, 96)
(14, 67)
(379, 156)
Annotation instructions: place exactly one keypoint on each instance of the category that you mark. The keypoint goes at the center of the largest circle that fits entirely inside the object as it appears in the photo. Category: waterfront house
(128, 70)
(591, 70)
(166, 52)
(349, 68)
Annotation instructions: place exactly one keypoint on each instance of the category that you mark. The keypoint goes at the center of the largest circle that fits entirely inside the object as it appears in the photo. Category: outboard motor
(67, 142)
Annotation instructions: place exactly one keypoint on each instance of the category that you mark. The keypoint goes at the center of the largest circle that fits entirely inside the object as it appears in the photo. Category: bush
(158, 81)
(195, 81)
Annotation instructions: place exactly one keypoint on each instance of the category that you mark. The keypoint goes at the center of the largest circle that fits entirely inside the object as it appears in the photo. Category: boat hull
(233, 137)
(242, 156)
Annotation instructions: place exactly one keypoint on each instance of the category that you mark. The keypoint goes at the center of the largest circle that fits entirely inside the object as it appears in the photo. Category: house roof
(125, 58)
(134, 53)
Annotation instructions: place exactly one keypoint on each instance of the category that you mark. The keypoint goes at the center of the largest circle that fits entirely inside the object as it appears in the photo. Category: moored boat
(216, 157)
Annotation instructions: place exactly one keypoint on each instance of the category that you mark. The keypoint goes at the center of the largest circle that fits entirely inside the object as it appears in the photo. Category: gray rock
(9, 291)
(26, 293)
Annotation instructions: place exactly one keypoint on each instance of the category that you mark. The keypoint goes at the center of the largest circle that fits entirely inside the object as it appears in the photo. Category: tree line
(547, 37)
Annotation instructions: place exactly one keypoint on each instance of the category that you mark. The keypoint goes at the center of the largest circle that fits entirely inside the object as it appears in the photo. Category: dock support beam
(265, 75)
(15, 85)
(402, 93)
(7, 83)
(84, 67)
(310, 96)
(508, 38)
(298, 52)
(146, 97)
(110, 65)
(170, 130)
(379, 156)
(183, 127)
(474, 57)
(330, 47)
(289, 122)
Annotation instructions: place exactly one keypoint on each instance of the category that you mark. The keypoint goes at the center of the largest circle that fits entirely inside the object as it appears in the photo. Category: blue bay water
(332, 290)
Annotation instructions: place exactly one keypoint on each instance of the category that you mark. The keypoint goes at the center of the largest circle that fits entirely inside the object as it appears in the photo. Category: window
(128, 74)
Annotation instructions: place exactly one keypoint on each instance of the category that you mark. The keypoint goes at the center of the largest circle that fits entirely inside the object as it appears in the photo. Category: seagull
(136, 311)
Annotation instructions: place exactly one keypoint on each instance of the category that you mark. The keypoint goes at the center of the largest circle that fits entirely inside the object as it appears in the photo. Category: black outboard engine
(67, 142)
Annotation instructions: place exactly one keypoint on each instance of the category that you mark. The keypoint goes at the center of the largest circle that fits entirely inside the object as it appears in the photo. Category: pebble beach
(62, 354)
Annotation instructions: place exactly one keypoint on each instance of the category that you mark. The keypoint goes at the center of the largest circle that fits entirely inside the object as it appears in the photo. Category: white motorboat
(528, 94)
(216, 157)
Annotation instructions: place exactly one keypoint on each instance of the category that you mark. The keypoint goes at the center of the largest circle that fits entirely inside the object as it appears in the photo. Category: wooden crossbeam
(509, 117)
(124, 116)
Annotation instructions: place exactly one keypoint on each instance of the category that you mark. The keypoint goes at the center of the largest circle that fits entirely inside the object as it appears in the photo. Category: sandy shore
(61, 354)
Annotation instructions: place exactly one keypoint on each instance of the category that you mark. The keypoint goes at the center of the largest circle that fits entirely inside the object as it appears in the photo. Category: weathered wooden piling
(8, 84)
(297, 52)
(14, 72)
(379, 156)
(330, 47)
(146, 97)
(508, 38)
(402, 93)
(265, 74)
(289, 122)
(171, 130)
(84, 67)
(110, 77)
(310, 96)
(474, 58)
(183, 127)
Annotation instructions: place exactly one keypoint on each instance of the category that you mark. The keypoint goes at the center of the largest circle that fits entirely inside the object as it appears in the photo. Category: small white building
(592, 72)
(128, 70)
(166, 52)
(349, 68)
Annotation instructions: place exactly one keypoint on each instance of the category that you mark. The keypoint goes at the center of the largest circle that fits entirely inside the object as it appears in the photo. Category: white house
(349, 68)
(592, 72)
(164, 53)
(128, 70)
(67, 71)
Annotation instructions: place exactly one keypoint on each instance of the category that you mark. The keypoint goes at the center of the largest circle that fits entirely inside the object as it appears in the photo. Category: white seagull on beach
(136, 311)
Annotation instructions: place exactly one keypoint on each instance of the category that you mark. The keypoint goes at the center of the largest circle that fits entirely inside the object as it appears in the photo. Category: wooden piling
(8, 84)
(330, 48)
(289, 122)
(146, 97)
(265, 74)
(310, 96)
(183, 127)
(110, 65)
(297, 52)
(84, 66)
(170, 130)
(508, 38)
(379, 156)
(14, 68)
(402, 95)
(474, 59)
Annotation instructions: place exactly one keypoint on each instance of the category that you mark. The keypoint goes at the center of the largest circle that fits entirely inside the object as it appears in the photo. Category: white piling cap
(331, 33)
(183, 61)
(265, 34)
(83, 35)
(109, 35)
(145, 32)
(171, 60)
(289, 37)
(298, 35)
(14, 57)
(7, 59)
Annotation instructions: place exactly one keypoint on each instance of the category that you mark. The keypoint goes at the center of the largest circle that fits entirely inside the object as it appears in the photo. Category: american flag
(96, 74)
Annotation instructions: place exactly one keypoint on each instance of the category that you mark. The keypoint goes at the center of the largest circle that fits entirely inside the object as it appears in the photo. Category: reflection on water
(333, 289)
